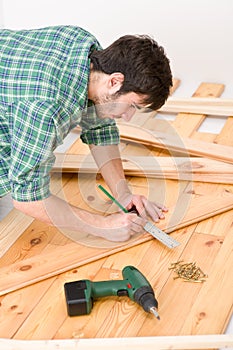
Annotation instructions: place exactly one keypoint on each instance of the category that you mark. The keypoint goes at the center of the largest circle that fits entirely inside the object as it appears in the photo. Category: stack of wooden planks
(170, 162)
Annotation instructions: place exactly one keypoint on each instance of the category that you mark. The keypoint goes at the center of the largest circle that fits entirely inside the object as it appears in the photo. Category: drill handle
(135, 277)
(108, 288)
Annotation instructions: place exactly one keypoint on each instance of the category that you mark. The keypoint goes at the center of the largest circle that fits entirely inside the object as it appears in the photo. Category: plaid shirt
(43, 95)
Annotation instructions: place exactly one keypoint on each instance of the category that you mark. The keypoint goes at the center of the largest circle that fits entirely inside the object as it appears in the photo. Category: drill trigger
(122, 293)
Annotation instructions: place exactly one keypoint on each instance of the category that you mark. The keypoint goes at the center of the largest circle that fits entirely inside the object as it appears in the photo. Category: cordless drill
(80, 295)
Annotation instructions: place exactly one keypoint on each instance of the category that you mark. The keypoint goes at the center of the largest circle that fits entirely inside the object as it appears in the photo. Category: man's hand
(109, 161)
(144, 207)
(119, 227)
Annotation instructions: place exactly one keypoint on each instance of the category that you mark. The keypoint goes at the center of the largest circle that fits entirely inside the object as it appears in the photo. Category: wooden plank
(209, 90)
(26, 314)
(16, 223)
(174, 297)
(178, 168)
(217, 226)
(185, 212)
(225, 136)
(11, 227)
(173, 293)
(134, 343)
(129, 317)
(176, 143)
(203, 105)
(15, 307)
(222, 222)
(37, 237)
(206, 136)
(187, 124)
(184, 128)
(78, 147)
(203, 312)
(181, 215)
(219, 316)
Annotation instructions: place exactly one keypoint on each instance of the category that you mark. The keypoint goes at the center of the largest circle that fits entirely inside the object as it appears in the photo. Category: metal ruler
(149, 227)
(160, 235)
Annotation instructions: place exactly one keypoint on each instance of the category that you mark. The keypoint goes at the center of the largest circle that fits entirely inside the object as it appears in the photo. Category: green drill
(80, 295)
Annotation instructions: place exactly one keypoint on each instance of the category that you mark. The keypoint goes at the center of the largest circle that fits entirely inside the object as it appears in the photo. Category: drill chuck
(145, 297)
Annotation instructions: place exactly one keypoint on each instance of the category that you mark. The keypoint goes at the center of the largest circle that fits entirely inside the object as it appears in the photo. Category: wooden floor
(32, 307)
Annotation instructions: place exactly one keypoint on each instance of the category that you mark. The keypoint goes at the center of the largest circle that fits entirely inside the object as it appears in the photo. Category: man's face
(115, 106)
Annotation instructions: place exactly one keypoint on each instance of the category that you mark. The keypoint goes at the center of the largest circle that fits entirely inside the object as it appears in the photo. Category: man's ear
(115, 82)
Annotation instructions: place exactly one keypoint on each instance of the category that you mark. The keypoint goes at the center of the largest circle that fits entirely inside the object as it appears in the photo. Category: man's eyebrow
(144, 109)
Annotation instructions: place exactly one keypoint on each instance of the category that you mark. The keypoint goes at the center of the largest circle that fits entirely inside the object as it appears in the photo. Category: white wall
(1, 14)
(196, 34)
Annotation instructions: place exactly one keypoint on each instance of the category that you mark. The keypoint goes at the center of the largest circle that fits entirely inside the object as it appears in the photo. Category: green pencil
(112, 198)
(170, 242)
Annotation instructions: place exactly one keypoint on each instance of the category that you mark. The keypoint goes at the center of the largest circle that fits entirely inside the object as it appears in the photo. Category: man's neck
(96, 83)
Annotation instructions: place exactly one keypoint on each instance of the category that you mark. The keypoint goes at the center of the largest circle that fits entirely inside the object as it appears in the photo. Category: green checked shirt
(43, 95)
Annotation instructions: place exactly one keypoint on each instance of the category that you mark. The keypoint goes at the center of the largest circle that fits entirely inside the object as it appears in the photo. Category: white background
(196, 34)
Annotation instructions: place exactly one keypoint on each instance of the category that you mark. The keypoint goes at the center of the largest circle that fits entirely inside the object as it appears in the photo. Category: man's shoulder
(64, 32)
(76, 34)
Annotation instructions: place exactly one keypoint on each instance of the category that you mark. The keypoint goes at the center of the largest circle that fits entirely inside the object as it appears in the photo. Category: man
(53, 79)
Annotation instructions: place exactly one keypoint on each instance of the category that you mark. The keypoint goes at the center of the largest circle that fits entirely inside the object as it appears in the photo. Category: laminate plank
(177, 297)
(209, 241)
(47, 316)
(21, 235)
(203, 105)
(225, 136)
(206, 89)
(176, 143)
(32, 270)
(176, 168)
(12, 227)
(129, 317)
(217, 225)
(134, 343)
(16, 307)
(219, 285)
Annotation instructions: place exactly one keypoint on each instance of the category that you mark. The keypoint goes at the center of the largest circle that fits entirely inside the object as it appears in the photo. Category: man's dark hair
(144, 64)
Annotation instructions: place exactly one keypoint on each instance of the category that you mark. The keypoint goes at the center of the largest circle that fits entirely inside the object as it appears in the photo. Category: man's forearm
(73, 221)
(109, 163)
(54, 211)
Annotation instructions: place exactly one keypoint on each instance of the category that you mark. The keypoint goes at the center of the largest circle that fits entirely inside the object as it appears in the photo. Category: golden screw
(189, 272)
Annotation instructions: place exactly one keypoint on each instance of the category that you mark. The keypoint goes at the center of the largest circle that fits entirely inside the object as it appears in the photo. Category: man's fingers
(154, 210)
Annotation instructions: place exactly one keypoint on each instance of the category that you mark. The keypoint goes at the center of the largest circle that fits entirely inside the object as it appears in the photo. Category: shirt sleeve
(98, 131)
(33, 139)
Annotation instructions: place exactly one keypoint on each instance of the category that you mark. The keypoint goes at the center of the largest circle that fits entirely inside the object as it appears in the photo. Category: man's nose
(128, 115)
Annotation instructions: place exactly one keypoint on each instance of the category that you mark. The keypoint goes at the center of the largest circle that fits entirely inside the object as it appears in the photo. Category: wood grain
(134, 343)
(11, 227)
(203, 312)
(37, 311)
(175, 143)
(176, 168)
(31, 270)
(202, 105)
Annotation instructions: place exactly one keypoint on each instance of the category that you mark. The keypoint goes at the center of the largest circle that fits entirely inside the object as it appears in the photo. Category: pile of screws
(189, 272)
